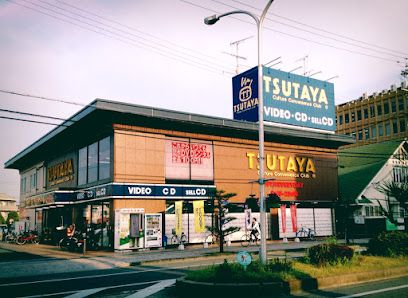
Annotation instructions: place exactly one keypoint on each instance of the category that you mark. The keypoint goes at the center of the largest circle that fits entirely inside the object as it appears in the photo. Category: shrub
(329, 254)
(393, 243)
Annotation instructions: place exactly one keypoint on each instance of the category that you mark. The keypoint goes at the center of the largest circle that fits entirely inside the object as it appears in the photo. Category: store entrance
(94, 219)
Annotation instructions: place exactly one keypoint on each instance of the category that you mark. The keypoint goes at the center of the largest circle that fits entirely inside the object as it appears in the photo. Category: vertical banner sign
(199, 220)
(247, 218)
(293, 215)
(178, 209)
(283, 217)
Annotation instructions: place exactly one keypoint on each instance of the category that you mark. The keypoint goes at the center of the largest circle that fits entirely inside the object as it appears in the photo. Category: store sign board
(189, 159)
(60, 172)
(288, 99)
(165, 191)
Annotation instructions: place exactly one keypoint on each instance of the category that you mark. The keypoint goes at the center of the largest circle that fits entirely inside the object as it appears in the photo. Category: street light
(211, 20)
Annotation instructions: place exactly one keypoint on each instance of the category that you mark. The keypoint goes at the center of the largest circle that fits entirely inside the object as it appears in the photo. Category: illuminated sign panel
(288, 99)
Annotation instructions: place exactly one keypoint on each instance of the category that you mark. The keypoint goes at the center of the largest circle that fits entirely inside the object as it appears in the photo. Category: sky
(160, 53)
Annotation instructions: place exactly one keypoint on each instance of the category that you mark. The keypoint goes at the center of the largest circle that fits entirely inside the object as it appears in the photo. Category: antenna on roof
(237, 57)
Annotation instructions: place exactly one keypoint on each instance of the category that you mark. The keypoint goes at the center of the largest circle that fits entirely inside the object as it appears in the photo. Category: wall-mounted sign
(189, 159)
(60, 172)
(288, 99)
(49, 198)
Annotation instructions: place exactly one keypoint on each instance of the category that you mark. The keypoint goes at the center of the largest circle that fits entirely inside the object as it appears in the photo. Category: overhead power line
(298, 37)
(32, 121)
(34, 115)
(42, 97)
(179, 56)
(326, 31)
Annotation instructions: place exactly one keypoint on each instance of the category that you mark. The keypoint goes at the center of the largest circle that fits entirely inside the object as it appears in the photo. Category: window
(400, 174)
(372, 111)
(104, 158)
(386, 107)
(340, 119)
(395, 127)
(82, 165)
(380, 130)
(33, 182)
(365, 113)
(387, 129)
(353, 116)
(358, 115)
(393, 106)
(23, 185)
(353, 134)
(373, 132)
(402, 125)
(379, 110)
(360, 135)
(93, 162)
(366, 133)
(400, 104)
(346, 118)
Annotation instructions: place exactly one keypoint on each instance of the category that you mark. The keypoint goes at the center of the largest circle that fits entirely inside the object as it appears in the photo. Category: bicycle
(175, 239)
(30, 236)
(306, 233)
(250, 238)
(11, 237)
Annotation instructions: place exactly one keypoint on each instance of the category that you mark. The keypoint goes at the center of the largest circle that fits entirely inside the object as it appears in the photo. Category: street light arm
(211, 20)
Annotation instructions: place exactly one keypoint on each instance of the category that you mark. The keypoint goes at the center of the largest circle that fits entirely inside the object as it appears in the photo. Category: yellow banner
(178, 210)
(199, 220)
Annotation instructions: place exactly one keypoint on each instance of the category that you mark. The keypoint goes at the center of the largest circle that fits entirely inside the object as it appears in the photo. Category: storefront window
(372, 111)
(380, 130)
(379, 110)
(395, 127)
(373, 132)
(402, 125)
(386, 107)
(82, 166)
(393, 106)
(358, 115)
(93, 163)
(104, 158)
(365, 113)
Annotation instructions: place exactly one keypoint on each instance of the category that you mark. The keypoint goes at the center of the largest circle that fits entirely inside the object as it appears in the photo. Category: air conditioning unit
(393, 87)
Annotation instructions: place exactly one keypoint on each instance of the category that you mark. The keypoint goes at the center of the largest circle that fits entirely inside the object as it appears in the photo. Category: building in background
(7, 204)
(362, 170)
(132, 174)
(375, 118)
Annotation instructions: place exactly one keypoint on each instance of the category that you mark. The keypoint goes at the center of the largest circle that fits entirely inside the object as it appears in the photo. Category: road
(100, 283)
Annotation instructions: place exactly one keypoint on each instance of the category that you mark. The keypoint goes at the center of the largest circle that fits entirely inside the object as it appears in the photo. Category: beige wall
(139, 157)
(150, 206)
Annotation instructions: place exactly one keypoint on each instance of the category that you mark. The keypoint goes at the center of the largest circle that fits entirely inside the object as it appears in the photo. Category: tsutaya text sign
(288, 99)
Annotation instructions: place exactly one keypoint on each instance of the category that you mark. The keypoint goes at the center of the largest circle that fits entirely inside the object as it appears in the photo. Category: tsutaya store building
(133, 174)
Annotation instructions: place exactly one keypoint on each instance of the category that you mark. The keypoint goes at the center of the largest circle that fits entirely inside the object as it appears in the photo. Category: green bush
(274, 270)
(329, 254)
(393, 243)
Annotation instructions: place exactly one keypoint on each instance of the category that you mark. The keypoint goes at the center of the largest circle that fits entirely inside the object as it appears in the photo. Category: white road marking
(375, 291)
(146, 292)
(85, 293)
(104, 275)
(106, 288)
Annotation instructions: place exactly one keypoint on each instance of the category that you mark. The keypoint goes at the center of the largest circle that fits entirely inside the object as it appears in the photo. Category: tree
(396, 190)
(12, 215)
(220, 229)
(2, 220)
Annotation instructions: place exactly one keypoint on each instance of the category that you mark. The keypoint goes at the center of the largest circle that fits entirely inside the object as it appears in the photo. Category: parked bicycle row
(22, 238)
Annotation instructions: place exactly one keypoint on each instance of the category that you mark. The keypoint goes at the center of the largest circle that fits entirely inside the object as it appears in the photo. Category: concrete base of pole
(285, 240)
(297, 239)
(205, 245)
(181, 247)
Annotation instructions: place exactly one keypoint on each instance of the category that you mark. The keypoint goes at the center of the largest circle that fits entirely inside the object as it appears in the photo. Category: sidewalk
(52, 260)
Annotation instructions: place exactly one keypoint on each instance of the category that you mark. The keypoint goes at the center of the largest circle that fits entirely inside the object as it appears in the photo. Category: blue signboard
(245, 95)
(288, 99)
